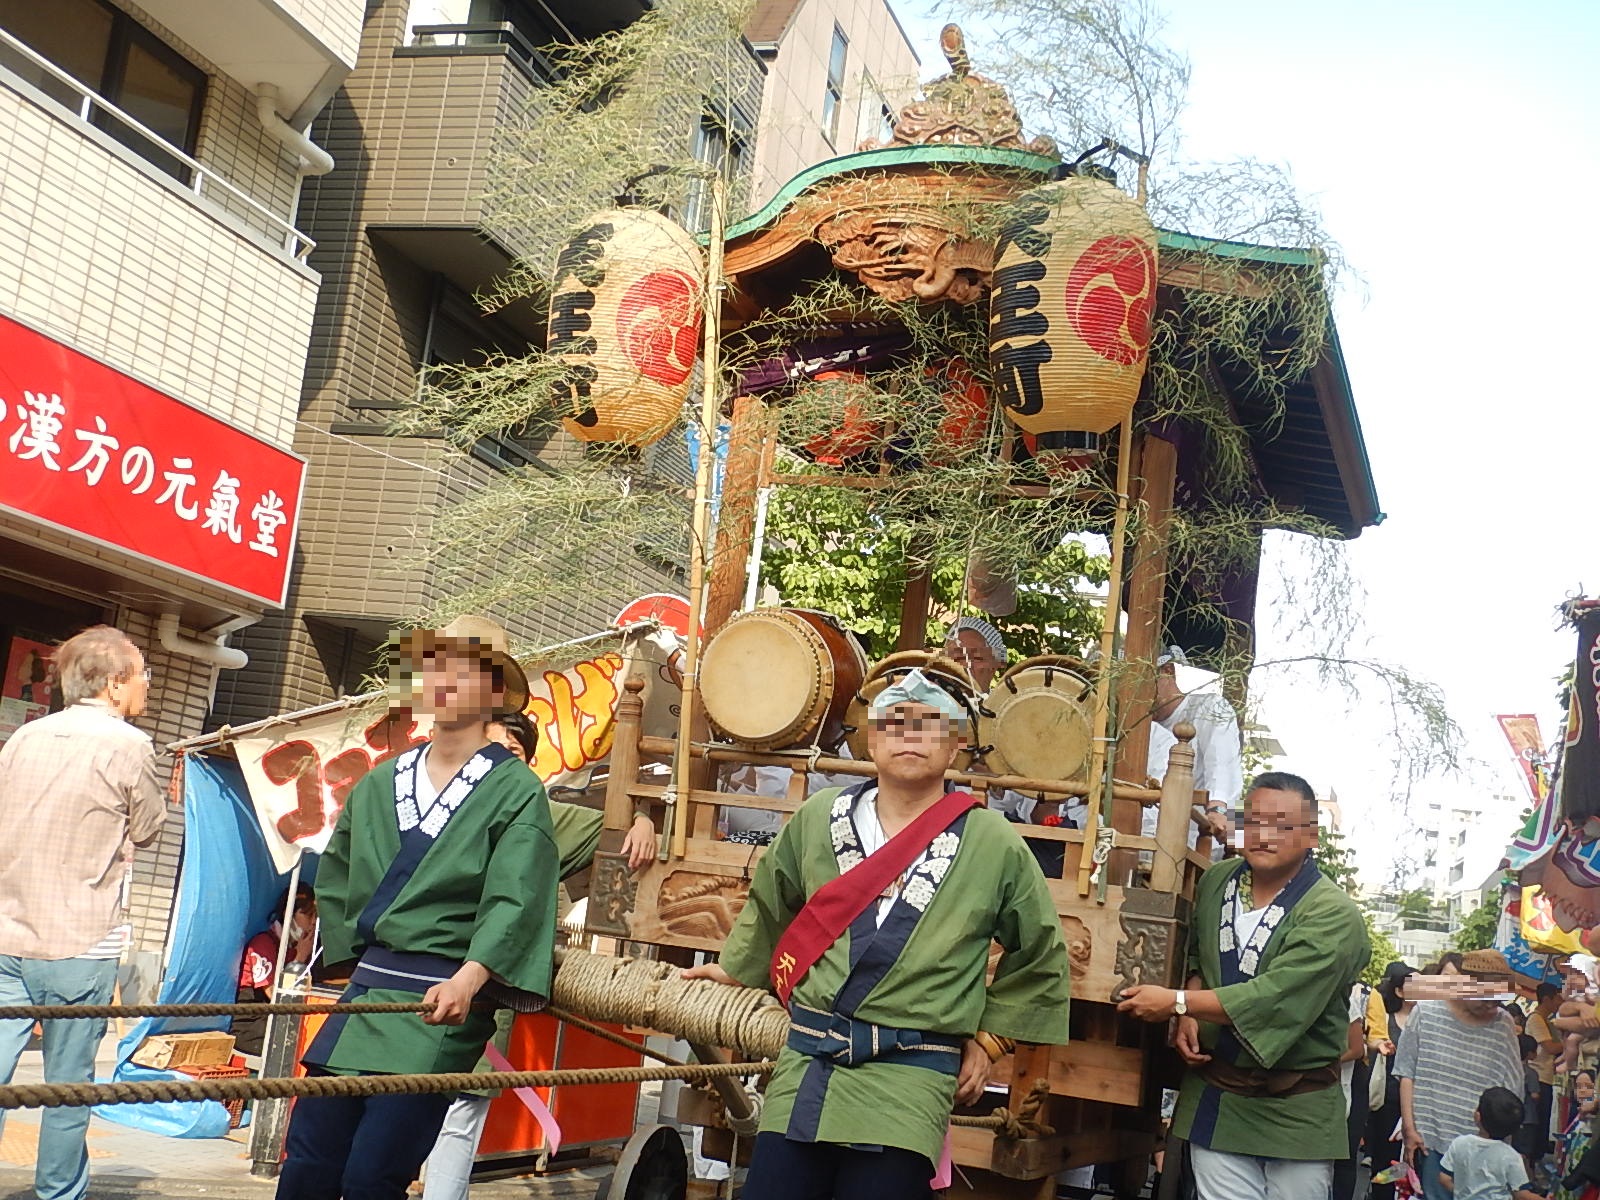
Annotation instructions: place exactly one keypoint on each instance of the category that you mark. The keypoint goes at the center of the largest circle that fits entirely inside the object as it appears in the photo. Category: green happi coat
(485, 891)
(992, 891)
(1294, 1015)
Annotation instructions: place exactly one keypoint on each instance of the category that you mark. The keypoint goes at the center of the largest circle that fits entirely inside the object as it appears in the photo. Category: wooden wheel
(653, 1166)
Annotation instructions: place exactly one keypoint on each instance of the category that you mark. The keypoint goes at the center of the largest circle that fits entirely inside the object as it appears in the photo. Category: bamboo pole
(701, 536)
(1099, 747)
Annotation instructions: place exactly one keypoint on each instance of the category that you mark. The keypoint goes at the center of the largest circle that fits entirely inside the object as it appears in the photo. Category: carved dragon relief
(696, 905)
(904, 235)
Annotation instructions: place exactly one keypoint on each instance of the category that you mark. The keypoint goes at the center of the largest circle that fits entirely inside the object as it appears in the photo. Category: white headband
(916, 688)
(990, 635)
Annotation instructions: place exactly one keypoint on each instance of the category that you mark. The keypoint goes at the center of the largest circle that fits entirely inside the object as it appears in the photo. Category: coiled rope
(654, 995)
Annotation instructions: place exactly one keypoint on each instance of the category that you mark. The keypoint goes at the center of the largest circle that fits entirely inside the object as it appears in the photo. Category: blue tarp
(227, 890)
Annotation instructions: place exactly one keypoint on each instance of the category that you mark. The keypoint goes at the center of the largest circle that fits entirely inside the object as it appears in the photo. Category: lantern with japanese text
(625, 319)
(1071, 309)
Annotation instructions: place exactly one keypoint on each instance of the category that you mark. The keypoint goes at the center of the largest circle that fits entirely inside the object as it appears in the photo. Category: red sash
(835, 904)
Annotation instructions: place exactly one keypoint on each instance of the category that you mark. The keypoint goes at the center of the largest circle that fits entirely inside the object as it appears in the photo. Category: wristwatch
(1180, 1003)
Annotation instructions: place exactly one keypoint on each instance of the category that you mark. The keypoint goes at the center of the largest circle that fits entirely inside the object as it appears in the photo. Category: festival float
(1021, 292)
(965, 323)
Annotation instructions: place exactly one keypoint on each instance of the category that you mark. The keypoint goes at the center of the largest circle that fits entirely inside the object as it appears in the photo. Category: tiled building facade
(837, 72)
(406, 241)
(163, 258)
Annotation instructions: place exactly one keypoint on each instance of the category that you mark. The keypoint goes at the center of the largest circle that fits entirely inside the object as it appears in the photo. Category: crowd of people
(872, 916)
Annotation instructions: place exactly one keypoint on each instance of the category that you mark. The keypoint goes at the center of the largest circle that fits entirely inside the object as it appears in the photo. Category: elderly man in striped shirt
(78, 791)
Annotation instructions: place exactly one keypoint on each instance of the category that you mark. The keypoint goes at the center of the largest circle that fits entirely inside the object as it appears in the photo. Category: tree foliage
(1478, 930)
(1384, 952)
(1336, 862)
(825, 550)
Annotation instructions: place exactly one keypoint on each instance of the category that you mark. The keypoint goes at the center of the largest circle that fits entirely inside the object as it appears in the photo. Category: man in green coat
(1265, 1016)
(440, 883)
(871, 916)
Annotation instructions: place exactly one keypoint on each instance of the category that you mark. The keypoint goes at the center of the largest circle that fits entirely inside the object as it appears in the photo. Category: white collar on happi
(432, 819)
(923, 878)
(1248, 956)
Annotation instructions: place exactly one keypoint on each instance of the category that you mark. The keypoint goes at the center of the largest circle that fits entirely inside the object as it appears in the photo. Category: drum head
(761, 678)
(1041, 725)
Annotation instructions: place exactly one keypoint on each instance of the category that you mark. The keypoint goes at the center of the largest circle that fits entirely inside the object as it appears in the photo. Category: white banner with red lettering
(301, 769)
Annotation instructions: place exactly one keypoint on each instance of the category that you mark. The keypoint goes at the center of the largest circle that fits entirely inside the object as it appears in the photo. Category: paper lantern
(1070, 312)
(859, 430)
(625, 318)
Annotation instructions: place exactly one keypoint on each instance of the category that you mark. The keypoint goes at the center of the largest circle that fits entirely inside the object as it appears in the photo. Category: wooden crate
(172, 1051)
(224, 1071)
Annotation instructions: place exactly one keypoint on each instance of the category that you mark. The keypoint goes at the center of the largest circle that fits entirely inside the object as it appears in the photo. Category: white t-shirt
(873, 839)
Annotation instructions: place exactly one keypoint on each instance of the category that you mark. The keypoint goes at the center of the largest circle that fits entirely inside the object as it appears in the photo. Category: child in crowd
(1530, 1137)
(1574, 1142)
(1483, 1166)
(1576, 1016)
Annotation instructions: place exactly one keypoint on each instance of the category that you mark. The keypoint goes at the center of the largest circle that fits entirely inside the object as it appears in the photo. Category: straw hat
(467, 633)
(1484, 962)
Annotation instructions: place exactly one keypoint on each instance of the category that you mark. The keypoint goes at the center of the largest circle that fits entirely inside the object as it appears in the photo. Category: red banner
(1522, 731)
(92, 451)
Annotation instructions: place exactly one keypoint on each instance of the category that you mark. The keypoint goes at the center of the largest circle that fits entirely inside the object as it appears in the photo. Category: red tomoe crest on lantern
(658, 321)
(1111, 297)
(625, 319)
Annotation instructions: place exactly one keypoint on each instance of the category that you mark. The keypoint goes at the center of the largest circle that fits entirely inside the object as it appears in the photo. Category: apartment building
(156, 304)
(838, 72)
(407, 243)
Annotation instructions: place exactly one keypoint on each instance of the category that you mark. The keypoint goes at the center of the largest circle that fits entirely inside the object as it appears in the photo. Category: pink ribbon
(534, 1103)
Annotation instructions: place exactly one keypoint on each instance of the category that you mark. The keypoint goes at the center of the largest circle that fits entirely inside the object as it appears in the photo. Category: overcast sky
(1454, 150)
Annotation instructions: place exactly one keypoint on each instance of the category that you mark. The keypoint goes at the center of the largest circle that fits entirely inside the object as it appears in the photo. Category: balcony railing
(481, 37)
(202, 181)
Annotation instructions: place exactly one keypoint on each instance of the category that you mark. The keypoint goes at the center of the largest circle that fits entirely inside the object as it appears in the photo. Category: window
(115, 57)
(833, 96)
(875, 120)
(721, 144)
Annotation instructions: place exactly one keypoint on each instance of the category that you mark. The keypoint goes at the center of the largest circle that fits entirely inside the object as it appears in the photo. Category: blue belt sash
(398, 972)
(847, 1042)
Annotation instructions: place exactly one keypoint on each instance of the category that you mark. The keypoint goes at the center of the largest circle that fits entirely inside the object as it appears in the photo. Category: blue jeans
(62, 1171)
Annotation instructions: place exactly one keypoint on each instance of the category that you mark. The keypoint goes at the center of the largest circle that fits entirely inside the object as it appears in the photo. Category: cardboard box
(166, 1051)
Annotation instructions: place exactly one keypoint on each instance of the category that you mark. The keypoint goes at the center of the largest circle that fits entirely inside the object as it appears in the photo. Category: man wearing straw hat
(871, 916)
(440, 884)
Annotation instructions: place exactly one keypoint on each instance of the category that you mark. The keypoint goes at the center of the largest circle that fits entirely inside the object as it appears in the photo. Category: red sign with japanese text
(95, 452)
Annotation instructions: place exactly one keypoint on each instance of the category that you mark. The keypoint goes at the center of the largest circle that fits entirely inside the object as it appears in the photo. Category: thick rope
(84, 1095)
(654, 995)
(625, 991)
(116, 1012)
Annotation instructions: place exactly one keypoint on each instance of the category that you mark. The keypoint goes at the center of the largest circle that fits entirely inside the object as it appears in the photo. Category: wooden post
(624, 769)
(1175, 814)
(1099, 759)
(917, 599)
(689, 717)
(1147, 584)
(737, 513)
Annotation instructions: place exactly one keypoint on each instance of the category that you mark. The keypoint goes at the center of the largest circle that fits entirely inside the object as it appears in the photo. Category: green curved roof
(893, 156)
